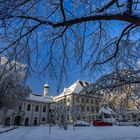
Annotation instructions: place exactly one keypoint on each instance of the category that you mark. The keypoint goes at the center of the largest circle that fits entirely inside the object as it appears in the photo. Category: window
(87, 108)
(36, 108)
(28, 107)
(68, 99)
(64, 100)
(19, 106)
(134, 116)
(91, 101)
(96, 102)
(97, 109)
(87, 84)
(92, 109)
(87, 100)
(44, 108)
(81, 83)
(43, 119)
(82, 100)
(35, 121)
(83, 117)
(82, 108)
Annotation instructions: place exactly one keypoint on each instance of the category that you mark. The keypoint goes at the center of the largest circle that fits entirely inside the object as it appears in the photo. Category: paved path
(7, 129)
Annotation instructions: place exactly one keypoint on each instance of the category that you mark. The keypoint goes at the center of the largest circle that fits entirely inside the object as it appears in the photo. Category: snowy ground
(80, 133)
(4, 128)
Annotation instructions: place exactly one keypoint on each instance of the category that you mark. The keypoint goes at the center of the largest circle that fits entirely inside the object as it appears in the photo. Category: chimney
(46, 89)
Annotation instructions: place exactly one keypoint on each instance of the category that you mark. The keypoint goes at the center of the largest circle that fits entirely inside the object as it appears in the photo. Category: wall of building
(30, 113)
(37, 112)
(77, 107)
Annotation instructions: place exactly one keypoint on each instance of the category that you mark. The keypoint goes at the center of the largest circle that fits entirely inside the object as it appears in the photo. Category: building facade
(33, 110)
(76, 106)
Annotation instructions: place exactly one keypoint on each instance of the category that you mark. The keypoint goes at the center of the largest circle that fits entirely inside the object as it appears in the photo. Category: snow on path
(80, 133)
(4, 128)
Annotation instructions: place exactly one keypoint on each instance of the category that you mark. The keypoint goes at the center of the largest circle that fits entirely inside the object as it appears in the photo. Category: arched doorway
(26, 121)
(7, 121)
(17, 120)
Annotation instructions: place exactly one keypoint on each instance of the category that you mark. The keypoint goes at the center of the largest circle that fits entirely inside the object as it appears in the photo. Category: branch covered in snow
(120, 90)
(70, 29)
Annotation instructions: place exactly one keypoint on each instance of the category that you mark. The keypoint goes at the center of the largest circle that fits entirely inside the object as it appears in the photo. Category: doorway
(7, 121)
(17, 120)
(26, 121)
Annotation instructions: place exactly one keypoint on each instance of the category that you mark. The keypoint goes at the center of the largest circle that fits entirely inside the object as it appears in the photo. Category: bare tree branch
(62, 9)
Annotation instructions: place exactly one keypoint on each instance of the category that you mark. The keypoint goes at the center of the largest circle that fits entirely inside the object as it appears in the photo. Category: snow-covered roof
(40, 98)
(106, 110)
(75, 88)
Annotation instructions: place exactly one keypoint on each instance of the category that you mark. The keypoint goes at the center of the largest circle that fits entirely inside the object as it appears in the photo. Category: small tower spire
(46, 89)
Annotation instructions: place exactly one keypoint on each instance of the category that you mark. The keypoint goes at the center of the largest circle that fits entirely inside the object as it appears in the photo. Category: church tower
(46, 89)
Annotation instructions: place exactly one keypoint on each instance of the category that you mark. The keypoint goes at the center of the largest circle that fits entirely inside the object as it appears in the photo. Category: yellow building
(72, 105)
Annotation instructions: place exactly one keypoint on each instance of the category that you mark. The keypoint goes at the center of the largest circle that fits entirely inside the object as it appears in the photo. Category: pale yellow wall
(78, 102)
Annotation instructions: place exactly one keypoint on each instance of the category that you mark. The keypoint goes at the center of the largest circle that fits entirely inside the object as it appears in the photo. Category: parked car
(101, 123)
(81, 123)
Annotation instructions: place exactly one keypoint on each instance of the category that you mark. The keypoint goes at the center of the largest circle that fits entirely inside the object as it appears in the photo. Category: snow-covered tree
(12, 83)
(61, 114)
(120, 90)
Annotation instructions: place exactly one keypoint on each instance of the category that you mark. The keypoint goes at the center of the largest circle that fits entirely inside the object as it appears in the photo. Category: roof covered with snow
(75, 88)
(40, 98)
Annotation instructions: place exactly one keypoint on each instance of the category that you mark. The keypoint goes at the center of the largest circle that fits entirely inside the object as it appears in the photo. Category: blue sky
(36, 82)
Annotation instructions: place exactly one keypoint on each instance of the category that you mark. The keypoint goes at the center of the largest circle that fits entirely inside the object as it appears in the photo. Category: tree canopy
(93, 34)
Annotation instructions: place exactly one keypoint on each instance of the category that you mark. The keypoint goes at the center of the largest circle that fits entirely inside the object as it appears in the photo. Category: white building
(33, 110)
(74, 105)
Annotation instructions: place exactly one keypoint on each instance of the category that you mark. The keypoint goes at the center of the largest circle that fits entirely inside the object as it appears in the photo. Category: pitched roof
(75, 88)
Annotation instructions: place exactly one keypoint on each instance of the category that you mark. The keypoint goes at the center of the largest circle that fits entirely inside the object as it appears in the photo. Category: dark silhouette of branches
(93, 34)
